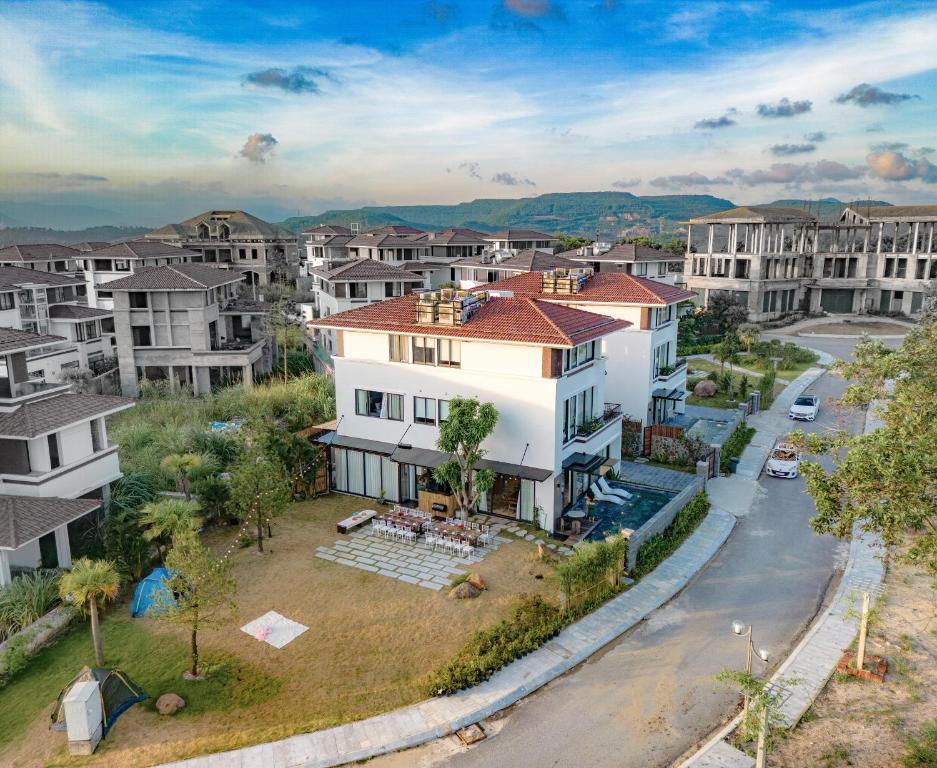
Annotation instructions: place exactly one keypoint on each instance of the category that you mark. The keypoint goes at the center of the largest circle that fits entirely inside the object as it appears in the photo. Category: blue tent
(145, 596)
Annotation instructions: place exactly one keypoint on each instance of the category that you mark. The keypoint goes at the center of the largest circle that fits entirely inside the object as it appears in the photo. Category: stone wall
(663, 518)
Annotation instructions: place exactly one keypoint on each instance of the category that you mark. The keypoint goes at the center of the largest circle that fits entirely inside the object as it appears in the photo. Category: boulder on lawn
(477, 581)
(704, 388)
(464, 590)
(169, 704)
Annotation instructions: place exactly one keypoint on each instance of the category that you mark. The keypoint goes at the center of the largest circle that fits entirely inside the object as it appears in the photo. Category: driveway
(650, 696)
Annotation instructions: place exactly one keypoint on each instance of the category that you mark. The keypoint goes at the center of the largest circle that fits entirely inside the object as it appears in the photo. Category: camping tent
(118, 693)
(146, 595)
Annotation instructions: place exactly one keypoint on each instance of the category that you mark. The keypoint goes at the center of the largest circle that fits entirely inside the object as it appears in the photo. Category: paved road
(651, 695)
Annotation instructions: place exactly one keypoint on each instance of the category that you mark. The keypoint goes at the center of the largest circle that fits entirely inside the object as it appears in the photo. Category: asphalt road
(651, 696)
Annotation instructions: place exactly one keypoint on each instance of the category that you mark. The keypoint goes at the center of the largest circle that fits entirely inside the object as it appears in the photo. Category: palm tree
(748, 334)
(182, 464)
(166, 520)
(88, 583)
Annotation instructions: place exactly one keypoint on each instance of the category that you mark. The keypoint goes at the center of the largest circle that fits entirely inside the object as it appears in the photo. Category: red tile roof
(605, 287)
(516, 319)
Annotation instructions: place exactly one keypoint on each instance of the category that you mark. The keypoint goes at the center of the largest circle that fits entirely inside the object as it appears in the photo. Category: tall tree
(87, 585)
(259, 491)
(726, 351)
(166, 520)
(748, 334)
(200, 591)
(469, 423)
(886, 481)
(182, 465)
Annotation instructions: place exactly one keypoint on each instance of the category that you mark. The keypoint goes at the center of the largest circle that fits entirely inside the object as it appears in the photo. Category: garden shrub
(593, 568)
(733, 447)
(532, 623)
(658, 548)
(28, 598)
(766, 388)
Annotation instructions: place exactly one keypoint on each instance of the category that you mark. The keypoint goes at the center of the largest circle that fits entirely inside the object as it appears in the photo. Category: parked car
(784, 461)
(805, 408)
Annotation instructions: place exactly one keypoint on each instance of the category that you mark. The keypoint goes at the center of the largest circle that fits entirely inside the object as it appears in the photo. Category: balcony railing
(666, 371)
(611, 412)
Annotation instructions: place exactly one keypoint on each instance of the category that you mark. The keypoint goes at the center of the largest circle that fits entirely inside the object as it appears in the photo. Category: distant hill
(610, 214)
(64, 216)
(25, 235)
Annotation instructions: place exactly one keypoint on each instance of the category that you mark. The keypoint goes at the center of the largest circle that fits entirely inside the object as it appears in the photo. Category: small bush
(733, 447)
(534, 621)
(656, 549)
(15, 658)
(593, 568)
(27, 599)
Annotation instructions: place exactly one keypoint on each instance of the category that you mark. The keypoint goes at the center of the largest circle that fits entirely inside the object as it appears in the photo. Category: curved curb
(431, 719)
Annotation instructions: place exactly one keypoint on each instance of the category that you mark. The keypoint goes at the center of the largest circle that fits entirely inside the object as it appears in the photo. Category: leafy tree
(297, 455)
(213, 496)
(168, 520)
(125, 543)
(200, 591)
(571, 242)
(748, 334)
(89, 583)
(727, 351)
(469, 423)
(886, 481)
(729, 313)
(182, 465)
(259, 491)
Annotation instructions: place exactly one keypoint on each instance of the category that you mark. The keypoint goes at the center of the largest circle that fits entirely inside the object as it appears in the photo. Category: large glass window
(443, 411)
(424, 410)
(138, 300)
(424, 350)
(578, 411)
(450, 353)
(140, 335)
(379, 405)
(6, 301)
(579, 355)
(399, 348)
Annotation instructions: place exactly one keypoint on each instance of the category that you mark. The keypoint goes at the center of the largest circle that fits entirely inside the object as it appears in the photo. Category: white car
(784, 461)
(805, 408)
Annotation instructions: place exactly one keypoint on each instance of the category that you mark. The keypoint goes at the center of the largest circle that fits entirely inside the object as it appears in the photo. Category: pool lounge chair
(607, 489)
(599, 496)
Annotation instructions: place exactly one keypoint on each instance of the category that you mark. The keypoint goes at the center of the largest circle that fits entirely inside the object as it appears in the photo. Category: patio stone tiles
(410, 563)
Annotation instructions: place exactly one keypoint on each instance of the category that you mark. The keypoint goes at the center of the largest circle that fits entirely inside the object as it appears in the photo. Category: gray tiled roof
(52, 413)
(380, 239)
(178, 277)
(37, 252)
(13, 339)
(240, 223)
(26, 518)
(365, 269)
(77, 312)
(624, 252)
(327, 229)
(15, 277)
(143, 249)
(90, 245)
(528, 260)
(520, 234)
(458, 236)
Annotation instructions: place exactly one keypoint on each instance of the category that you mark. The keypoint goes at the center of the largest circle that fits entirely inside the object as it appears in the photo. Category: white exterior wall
(27, 556)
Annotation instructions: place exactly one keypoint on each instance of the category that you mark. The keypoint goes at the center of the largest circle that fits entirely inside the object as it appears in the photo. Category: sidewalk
(812, 662)
(434, 718)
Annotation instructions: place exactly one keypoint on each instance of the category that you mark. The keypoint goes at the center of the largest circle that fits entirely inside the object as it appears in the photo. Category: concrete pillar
(63, 549)
(106, 495)
(202, 381)
(5, 575)
(247, 375)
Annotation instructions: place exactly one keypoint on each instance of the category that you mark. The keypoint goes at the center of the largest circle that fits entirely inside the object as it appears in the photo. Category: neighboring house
(112, 262)
(56, 463)
(267, 252)
(45, 257)
(90, 245)
(644, 373)
(630, 258)
(325, 244)
(399, 362)
(780, 261)
(182, 323)
(496, 265)
(457, 243)
(47, 303)
(522, 239)
(356, 282)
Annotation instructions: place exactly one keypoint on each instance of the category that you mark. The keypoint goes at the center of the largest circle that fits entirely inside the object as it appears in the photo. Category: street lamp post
(740, 629)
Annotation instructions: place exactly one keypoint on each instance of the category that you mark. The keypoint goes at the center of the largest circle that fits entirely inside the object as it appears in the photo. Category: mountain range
(590, 214)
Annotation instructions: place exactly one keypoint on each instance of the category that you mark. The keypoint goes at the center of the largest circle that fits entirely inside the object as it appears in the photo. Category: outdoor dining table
(412, 522)
(457, 532)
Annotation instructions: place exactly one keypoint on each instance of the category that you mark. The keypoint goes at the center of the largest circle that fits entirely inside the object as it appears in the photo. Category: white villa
(399, 362)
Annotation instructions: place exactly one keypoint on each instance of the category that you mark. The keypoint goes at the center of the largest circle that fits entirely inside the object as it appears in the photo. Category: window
(105, 294)
(96, 442)
(424, 350)
(663, 315)
(253, 253)
(379, 405)
(6, 301)
(54, 459)
(450, 353)
(579, 355)
(577, 411)
(121, 265)
(399, 348)
(141, 335)
(443, 411)
(137, 300)
(662, 359)
(80, 332)
(242, 253)
(424, 410)
(640, 269)
(357, 290)
(661, 268)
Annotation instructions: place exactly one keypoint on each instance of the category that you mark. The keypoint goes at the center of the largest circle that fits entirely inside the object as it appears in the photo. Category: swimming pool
(705, 430)
(635, 512)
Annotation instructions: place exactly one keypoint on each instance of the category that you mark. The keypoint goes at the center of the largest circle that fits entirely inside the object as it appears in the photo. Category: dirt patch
(873, 327)
(856, 722)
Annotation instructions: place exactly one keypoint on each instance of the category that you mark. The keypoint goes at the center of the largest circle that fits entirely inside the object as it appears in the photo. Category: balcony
(18, 392)
(611, 414)
(667, 372)
(69, 480)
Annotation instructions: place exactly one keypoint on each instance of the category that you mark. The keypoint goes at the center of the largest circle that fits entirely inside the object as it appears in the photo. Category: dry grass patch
(371, 643)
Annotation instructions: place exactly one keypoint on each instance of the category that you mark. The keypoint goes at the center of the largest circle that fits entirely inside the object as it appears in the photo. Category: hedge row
(658, 548)
(733, 447)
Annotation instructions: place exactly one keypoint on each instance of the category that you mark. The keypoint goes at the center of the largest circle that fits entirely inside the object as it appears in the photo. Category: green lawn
(719, 400)
(755, 364)
(156, 660)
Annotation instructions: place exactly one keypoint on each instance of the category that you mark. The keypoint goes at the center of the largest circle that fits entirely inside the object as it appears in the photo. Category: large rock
(704, 388)
(169, 704)
(477, 581)
(464, 591)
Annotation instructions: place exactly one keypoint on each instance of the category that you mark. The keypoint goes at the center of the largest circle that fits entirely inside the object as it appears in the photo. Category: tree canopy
(259, 491)
(461, 435)
(886, 481)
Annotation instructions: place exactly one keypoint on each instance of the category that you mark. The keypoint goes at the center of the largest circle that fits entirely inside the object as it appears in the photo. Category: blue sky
(157, 110)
